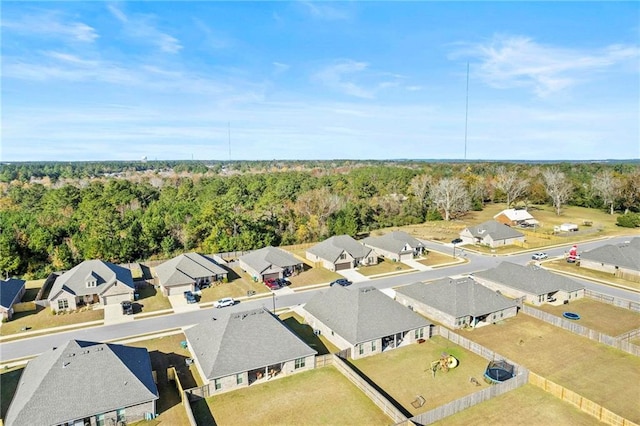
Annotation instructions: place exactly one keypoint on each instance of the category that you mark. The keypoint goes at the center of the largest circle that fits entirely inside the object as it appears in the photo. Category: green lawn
(384, 267)
(436, 258)
(598, 316)
(562, 266)
(152, 299)
(240, 283)
(42, 319)
(525, 406)
(8, 385)
(305, 332)
(321, 396)
(595, 371)
(313, 275)
(405, 373)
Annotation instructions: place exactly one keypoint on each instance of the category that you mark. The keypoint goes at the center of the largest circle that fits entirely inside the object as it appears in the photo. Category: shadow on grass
(389, 398)
(169, 395)
(146, 292)
(9, 384)
(305, 332)
(202, 412)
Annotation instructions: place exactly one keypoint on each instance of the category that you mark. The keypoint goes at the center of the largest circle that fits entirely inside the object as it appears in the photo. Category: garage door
(406, 256)
(179, 289)
(342, 266)
(117, 298)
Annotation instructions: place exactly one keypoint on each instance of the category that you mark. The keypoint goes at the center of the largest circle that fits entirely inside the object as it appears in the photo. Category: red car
(272, 283)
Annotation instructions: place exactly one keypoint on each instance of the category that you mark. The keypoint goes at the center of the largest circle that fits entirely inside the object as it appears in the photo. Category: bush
(434, 215)
(629, 220)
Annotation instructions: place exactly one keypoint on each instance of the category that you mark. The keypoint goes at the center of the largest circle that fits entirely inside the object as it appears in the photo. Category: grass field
(525, 406)
(383, 267)
(8, 385)
(321, 396)
(562, 266)
(305, 332)
(239, 284)
(152, 299)
(598, 372)
(435, 258)
(313, 275)
(405, 373)
(42, 319)
(598, 316)
(165, 352)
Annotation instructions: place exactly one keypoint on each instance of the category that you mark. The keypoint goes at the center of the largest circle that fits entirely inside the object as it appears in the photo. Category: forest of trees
(63, 213)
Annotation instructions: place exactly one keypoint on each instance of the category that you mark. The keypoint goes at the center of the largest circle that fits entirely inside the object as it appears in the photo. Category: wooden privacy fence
(24, 307)
(584, 404)
(373, 394)
(629, 334)
(478, 397)
(580, 330)
(324, 360)
(612, 300)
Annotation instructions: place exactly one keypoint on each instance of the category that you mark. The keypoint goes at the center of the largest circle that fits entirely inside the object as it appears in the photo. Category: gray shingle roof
(331, 248)
(74, 280)
(624, 255)
(530, 279)
(263, 258)
(186, 268)
(497, 230)
(80, 379)
(362, 314)
(457, 297)
(393, 242)
(9, 290)
(243, 341)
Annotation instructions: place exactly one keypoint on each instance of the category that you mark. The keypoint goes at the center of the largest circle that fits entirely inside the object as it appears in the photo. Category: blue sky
(319, 80)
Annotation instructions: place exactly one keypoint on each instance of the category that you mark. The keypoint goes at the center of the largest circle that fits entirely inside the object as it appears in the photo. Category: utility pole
(273, 295)
(466, 115)
(229, 137)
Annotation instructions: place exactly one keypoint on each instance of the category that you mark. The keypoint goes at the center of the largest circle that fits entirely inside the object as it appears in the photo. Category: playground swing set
(444, 364)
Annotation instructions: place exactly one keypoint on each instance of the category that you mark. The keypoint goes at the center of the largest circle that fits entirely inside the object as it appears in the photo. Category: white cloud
(335, 76)
(51, 24)
(516, 61)
(325, 11)
(280, 68)
(142, 28)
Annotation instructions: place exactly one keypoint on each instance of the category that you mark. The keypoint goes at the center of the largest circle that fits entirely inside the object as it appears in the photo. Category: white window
(373, 346)
(343, 256)
(361, 349)
(419, 333)
(239, 379)
(217, 384)
(63, 304)
(299, 363)
(120, 415)
(100, 419)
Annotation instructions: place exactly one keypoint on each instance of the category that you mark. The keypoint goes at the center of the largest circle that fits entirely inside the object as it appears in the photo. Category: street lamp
(273, 295)
(454, 250)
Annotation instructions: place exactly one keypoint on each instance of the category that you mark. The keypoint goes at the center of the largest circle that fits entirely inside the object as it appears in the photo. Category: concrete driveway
(416, 265)
(179, 304)
(353, 275)
(113, 315)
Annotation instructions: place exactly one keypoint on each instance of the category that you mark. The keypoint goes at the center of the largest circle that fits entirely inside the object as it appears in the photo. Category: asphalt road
(32, 346)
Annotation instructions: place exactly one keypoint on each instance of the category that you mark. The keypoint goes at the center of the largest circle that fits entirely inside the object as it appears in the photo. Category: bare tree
(608, 187)
(319, 203)
(420, 188)
(511, 184)
(557, 187)
(450, 196)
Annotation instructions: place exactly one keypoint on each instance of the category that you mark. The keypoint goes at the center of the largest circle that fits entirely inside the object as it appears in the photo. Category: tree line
(54, 225)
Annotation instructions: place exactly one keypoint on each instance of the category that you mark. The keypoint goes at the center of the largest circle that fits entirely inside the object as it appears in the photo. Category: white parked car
(227, 301)
(539, 256)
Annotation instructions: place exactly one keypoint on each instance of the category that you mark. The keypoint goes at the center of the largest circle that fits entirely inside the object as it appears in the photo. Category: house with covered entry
(364, 321)
(341, 252)
(492, 234)
(396, 246)
(530, 283)
(91, 282)
(516, 217)
(457, 302)
(620, 260)
(11, 292)
(85, 383)
(244, 348)
(269, 262)
(187, 272)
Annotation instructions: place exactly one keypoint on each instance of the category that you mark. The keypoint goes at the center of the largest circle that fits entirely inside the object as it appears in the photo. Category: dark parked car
(456, 241)
(127, 307)
(341, 281)
(191, 298)
(282, 282)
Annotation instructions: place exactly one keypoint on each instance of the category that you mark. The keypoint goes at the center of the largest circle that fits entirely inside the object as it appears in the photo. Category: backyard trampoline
(571, 316)
(498, 371)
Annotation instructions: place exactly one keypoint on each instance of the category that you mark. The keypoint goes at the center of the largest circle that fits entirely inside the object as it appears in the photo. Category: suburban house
(341, 252)
(364, 320)
(187, 272)
(396, 246)
(516, 217)
(269, 262)
(492, 234)
(457, 303)
(92, 281)
(85, 383)
(11, 292)
(536, 285)
(243, 348)
(621, 260)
